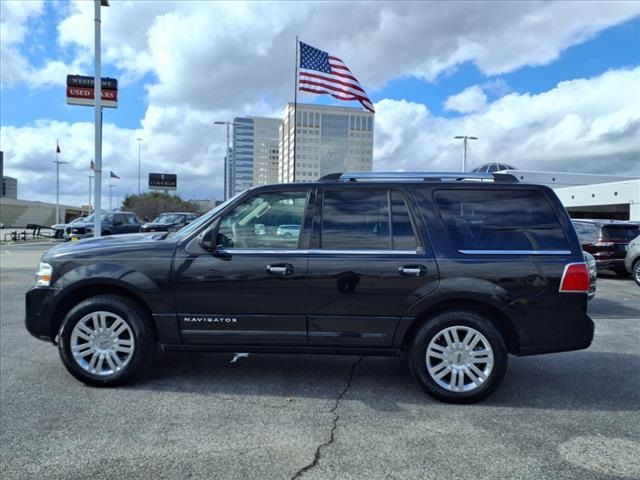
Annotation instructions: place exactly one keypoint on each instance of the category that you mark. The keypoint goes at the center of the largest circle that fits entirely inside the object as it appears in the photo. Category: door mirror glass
(209, 240)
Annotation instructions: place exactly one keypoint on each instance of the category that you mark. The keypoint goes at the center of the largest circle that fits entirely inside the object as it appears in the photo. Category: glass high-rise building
(253, 160)
(327, 140)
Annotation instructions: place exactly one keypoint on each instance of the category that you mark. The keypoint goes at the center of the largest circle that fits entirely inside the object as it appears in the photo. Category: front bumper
(40, 305)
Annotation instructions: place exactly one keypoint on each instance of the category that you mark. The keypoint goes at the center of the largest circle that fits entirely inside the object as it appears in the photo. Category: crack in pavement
(336, 417)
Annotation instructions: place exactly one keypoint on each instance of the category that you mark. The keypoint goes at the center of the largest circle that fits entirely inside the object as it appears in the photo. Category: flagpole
(57, 182)
(295, 111)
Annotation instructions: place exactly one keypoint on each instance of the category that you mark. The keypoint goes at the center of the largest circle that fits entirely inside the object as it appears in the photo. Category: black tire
(287, 235)
(464, 322)
(636, 272)
(141, 334)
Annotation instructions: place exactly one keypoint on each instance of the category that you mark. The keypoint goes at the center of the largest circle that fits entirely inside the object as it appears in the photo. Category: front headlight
(43, 275)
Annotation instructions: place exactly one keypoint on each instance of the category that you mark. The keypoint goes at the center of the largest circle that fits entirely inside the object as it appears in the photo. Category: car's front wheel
(636, 272)
(106, 340)
(458, 356)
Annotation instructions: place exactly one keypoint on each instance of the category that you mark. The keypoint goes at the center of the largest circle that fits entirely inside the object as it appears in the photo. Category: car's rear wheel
(636, 271)
(458, 357)
(106, 340)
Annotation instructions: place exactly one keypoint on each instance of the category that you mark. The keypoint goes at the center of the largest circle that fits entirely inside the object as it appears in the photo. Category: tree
(149, 205)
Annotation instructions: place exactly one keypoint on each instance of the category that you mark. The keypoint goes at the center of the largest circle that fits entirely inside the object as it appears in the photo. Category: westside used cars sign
(80, 91)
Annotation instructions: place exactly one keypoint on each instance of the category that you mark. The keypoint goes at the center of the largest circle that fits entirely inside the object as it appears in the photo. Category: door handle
(281, 269)
(412, 270)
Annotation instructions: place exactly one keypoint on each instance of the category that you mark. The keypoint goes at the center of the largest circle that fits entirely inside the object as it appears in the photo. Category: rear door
(367, 265)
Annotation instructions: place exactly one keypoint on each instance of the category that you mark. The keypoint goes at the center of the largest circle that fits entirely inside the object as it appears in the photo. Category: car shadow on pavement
(603, 307)
(585, 380)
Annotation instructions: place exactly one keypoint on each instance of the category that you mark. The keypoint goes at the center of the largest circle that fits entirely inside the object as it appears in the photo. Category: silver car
(632, 259)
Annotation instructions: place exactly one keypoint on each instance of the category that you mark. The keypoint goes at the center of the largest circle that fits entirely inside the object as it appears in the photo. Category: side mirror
(209, 239)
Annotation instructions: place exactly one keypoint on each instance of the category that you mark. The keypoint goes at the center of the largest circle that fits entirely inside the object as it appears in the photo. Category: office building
(253, 158)
(326, 140)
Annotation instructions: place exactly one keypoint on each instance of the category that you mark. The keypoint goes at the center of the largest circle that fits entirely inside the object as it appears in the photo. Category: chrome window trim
(515, 252)
(318, 251)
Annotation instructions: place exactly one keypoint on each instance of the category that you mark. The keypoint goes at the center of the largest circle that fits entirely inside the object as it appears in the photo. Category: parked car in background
(607, 241)
(593, 273)
(59, 229)
(288, 231)
(632, 259)
(168, 222)
(113, 223)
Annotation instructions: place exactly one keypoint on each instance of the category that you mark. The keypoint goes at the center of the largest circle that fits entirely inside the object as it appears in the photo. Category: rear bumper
(581, 338)
(39, 307)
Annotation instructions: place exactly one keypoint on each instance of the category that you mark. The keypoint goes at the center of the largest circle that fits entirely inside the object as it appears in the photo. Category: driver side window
(269, 221)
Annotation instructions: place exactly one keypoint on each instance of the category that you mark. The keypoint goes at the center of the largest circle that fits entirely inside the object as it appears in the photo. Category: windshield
(91, 218)
(168, 218)
(196, 224)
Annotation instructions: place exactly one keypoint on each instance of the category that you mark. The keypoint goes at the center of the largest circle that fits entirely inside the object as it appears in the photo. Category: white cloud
(582, 125)
(469, 100)
(221, 54)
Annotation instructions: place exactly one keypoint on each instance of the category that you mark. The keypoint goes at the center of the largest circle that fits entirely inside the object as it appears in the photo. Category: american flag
(113, 175)
(93, 165)
(320, 72)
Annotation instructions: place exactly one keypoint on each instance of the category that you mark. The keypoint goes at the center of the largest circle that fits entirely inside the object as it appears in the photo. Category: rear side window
(500, 220)
(355, 220)
(366, 220)
(620, 233)
(587, 232)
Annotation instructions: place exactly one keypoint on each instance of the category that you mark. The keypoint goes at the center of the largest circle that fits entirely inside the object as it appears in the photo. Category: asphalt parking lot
(564, 416)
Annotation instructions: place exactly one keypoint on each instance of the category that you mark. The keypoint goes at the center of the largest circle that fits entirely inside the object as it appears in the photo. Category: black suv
(453, 269)
(112, 223)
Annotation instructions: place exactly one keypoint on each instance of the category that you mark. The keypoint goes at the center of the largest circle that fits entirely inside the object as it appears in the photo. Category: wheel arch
(77, 295)
(498, 318)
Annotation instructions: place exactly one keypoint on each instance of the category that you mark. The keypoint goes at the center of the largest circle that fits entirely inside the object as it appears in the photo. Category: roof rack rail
(412, 176)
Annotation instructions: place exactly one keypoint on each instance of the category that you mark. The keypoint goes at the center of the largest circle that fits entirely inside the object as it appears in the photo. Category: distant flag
(321, 73)
(93, 165)
(57, 147)
(113, 175)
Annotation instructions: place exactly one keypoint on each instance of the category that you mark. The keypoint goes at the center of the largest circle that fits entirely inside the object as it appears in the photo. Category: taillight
(575, 278)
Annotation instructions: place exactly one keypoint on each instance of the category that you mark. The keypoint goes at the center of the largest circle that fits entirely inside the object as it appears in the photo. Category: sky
(543, 85)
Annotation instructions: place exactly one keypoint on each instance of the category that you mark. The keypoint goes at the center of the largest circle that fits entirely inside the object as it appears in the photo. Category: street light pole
(58, 163)
(465, 139)
(227, 181)
(97, 87)
(139, 140)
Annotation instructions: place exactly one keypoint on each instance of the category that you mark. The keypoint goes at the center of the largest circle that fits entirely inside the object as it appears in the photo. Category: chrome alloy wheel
(102, 343)
(459, 359)
(636, 272)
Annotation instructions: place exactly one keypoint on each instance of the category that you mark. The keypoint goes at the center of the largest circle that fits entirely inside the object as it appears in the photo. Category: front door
(252, 289)
(367, 266)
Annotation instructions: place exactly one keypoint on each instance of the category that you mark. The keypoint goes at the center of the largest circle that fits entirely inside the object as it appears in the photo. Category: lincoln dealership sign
(80, 91)
(163, 181)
